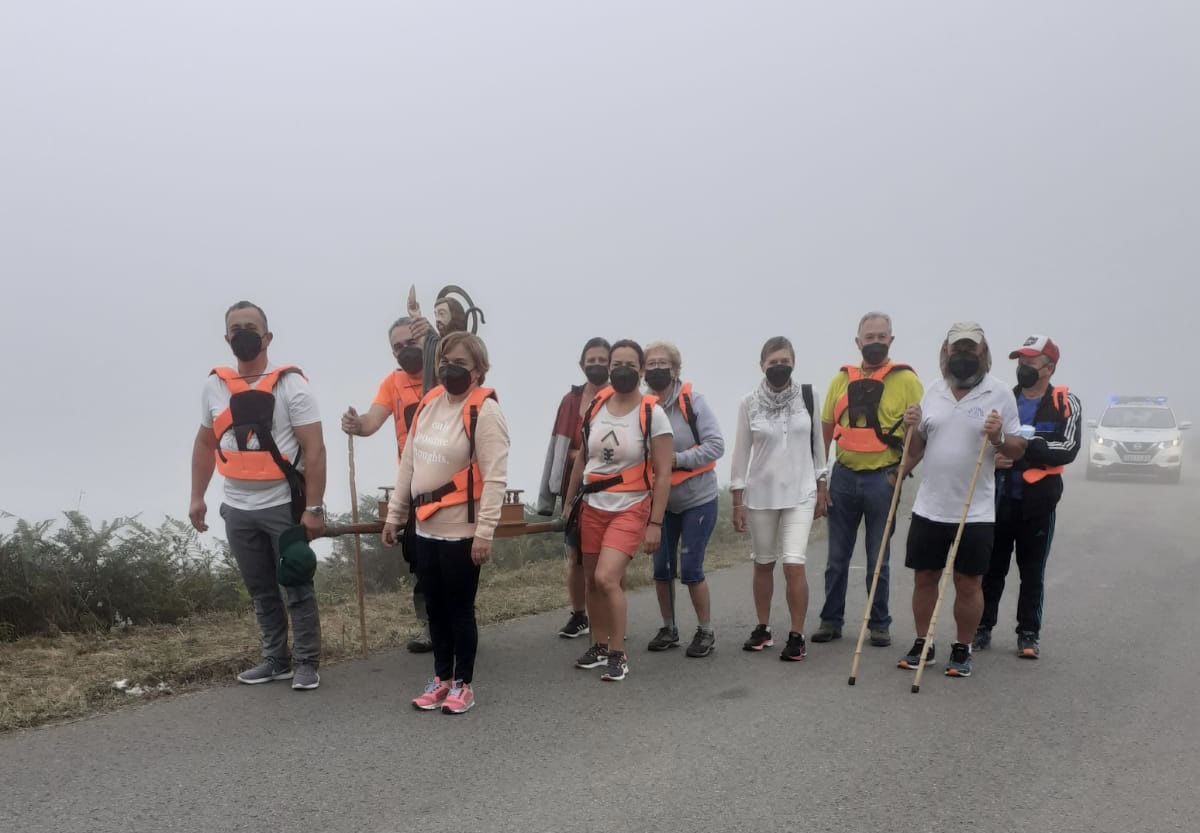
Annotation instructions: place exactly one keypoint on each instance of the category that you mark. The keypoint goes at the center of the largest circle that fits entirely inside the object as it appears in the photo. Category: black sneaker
(960, 660)
(664, 639)
(422, 644)
(760, 638)
(982, 640)
(618, 667)
(794, 650)
(576, 626)
(1027, 645)
(702, 643)
(593, 657)
(912, 660)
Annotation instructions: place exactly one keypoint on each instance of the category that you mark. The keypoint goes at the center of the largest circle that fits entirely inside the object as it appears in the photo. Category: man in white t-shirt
(263, 494)
(962, 415)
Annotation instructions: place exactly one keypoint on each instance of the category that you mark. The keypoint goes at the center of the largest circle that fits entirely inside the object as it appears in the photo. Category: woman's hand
(823, 501)
(481, 551)
(739, 518)
(390, 535)
(652, 538)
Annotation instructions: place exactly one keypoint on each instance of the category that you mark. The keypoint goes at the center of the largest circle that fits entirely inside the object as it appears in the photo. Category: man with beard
(398, 396)
(864, 411)
(957, 412)
(261, 429)
(1028, 491)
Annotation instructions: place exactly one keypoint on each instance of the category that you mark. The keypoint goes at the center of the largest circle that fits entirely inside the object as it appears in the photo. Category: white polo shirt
(953, 432)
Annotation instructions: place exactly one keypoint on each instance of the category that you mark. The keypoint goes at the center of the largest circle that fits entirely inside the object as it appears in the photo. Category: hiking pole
(362, 615)
(883, 546)
(916, 686)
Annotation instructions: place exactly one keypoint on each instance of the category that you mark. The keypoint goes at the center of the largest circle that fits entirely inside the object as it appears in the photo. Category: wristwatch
(1001, 442)
(315, 510)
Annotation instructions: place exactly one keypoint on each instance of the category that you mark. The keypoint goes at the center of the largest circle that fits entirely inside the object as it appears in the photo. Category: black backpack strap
(646, 445)
(471, 465)
(689, 414)
(806, 392)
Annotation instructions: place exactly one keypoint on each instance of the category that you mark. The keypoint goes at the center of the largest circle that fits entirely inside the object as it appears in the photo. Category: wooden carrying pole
(925, 647)
(883, 548)
(362, 614)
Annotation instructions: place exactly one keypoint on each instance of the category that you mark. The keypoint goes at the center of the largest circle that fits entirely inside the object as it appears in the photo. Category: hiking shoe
(702, 643)
(576, 626)
(827, 632)
(794, 650)
(960, 660)
(664, 639)
(422, 644)
(618, 667)
(760, 638)
(881, 637)
(460, 699)
(266, 671)
(1027, 645)
(593, 657)
(433, 696)
(306, 677)
(982, 640)
(912, 659)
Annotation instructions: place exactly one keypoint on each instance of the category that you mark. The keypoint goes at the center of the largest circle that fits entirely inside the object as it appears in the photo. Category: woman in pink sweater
(453, 474)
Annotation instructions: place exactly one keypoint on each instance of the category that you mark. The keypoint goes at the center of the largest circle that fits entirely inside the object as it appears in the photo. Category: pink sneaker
(435, 692)
(460, 699)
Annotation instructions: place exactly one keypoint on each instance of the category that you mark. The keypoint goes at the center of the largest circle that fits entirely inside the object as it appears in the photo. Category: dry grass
(52, 679)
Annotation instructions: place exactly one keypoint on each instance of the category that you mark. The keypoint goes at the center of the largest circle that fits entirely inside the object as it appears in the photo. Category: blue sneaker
(912, 659)
(960, 660)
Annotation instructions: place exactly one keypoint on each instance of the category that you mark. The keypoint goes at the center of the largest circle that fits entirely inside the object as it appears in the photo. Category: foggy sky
(711, 174)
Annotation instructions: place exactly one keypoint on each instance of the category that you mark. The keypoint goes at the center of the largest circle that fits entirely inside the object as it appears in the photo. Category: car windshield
(1138, 418)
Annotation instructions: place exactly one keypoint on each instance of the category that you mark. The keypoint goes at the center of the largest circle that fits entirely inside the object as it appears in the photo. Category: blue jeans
(856, 495)
(694, 527)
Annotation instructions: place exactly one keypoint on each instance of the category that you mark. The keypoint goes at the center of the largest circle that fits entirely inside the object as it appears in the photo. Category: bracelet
(656, 523)
(739, 506)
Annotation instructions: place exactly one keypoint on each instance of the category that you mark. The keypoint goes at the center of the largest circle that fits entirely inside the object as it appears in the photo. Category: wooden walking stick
(916, 686)
(883, 546)
(362, 614)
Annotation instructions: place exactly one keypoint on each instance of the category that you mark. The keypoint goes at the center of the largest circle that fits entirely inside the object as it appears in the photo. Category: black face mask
(411, 359)
(624, 379)
(963, 366)
(778, 375)
(246, 344)
(874, 353)
(454, 379)
(1027, 376)
(658, 378)
(597, 374)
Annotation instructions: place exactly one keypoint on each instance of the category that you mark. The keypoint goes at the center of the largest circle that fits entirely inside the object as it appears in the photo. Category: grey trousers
(252, 539)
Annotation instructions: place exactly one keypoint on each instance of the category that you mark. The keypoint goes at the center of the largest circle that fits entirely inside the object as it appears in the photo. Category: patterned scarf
(774, 404)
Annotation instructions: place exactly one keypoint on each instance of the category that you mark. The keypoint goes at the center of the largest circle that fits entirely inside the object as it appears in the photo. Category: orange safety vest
(866, 390)
(250, 413)
(467, 485)
(689, 414)
(635, 478)
(1059, 396)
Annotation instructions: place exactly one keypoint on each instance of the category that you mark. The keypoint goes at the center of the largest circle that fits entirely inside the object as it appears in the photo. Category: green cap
(297, 561)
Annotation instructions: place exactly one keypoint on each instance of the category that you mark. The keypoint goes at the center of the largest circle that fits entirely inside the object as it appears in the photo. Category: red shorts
(622, 531)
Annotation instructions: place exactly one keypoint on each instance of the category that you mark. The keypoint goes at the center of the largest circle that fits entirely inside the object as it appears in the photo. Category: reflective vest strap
(468, 481)
(238, 384)
(638, 476)
(689, 414)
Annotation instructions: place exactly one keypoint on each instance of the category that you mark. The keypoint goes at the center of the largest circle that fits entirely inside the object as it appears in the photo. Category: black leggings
(450, 580)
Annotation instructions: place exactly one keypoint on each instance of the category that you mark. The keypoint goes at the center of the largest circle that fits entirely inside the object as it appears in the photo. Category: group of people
(633, 470)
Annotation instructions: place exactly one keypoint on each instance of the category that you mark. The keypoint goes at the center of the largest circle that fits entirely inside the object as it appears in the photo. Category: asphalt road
(1102, 733)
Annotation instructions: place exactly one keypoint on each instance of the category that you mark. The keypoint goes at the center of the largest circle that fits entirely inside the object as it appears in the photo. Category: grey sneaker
(422, 644)
(826, 633)
(982, 640)
(306, 677)
(881, 637)
(702, 643)
(266, 671)
(664, 639)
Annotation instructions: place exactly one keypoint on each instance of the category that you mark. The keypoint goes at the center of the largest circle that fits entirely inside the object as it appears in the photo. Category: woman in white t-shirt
(778, 488)
(623, 475)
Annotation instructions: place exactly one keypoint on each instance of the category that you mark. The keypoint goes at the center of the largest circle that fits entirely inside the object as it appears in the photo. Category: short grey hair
(875, 314)
(670, 349)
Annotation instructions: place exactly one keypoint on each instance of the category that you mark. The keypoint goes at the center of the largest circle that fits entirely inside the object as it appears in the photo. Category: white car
(1137, 435)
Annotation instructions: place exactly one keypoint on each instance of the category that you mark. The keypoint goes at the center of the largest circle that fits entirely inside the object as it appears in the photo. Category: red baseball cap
(1037, 345)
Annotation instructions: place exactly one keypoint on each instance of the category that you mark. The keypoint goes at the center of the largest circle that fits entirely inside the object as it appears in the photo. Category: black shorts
(929, 545)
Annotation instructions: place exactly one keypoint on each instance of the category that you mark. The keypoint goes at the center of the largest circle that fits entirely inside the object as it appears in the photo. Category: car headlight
(1170, 443)
(1101, 441)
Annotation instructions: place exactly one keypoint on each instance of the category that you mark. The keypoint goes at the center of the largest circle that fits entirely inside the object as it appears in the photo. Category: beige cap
(965, 329)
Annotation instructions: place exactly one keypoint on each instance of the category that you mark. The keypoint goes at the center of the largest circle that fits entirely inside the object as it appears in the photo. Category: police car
(1137, 435)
